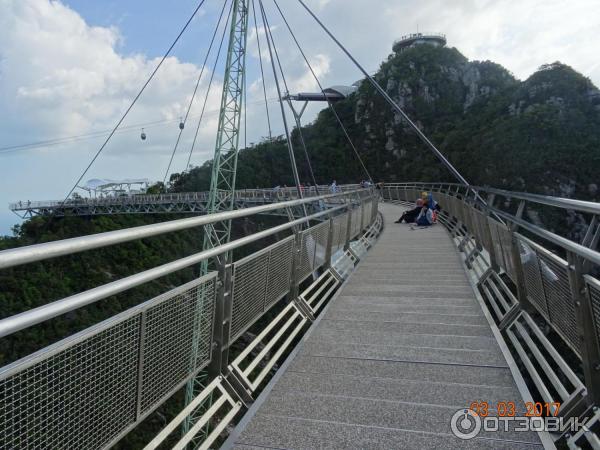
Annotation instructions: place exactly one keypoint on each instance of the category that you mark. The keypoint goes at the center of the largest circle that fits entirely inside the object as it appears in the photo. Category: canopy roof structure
(333, 94)
(105, 184)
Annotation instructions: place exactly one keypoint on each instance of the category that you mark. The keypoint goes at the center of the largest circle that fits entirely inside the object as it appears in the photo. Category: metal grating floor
(400, 349)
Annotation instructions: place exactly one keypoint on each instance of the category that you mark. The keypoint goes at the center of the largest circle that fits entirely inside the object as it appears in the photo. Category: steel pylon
(222, 186)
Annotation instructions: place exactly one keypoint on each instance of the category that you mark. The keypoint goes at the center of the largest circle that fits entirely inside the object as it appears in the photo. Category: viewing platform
(410, 40)
(171, 203)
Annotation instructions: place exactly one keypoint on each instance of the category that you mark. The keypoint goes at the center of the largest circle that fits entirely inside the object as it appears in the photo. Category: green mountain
(540, 135)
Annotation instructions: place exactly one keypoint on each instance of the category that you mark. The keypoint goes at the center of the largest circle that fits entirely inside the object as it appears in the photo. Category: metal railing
(89, 390)
(249, 195)
(528, 288)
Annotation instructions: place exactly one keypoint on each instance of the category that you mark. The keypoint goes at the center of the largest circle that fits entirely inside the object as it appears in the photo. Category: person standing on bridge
(333, 188)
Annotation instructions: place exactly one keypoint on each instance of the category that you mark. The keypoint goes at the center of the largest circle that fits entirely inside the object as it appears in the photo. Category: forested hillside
(540, 135)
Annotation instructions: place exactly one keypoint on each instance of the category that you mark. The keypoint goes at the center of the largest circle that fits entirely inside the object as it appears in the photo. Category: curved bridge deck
(397, 352)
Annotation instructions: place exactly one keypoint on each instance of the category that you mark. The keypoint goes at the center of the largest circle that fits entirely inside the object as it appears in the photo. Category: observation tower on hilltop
(411, 40)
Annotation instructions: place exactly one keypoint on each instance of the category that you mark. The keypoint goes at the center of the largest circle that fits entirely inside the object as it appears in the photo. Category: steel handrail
(145, 198)
(39, 252)
(564, 203)
(42, 313)
(559, 202)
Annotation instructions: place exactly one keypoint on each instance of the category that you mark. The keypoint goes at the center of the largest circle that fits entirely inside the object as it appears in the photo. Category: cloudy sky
(68, 70)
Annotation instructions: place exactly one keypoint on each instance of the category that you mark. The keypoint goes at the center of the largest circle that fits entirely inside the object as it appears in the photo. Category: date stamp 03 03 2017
(467, 423)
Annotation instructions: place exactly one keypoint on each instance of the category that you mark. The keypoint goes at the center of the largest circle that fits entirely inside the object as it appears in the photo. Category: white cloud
(59, 76)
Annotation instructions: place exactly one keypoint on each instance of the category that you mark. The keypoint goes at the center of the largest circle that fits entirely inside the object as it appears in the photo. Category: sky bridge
(169, 203)
(363, 333)
(333, 328)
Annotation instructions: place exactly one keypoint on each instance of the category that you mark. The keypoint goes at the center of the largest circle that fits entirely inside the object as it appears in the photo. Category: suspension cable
(101, 133)
(262, 73)
(187, 113)
(283, 115)
(212, 75)
(120, 121)
(302, 142)
(392, 103)
(329, 103)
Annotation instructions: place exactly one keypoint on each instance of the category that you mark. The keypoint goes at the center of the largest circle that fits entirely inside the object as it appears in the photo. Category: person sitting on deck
(425, 217)
(429, 212)
(411, 215)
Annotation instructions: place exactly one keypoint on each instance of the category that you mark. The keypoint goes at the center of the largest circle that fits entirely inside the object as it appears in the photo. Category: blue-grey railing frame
(142, 345)
(577, 296)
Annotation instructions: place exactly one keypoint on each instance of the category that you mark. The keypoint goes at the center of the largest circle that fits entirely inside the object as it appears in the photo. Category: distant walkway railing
(538, 284)
(89, 390)
(179, 202)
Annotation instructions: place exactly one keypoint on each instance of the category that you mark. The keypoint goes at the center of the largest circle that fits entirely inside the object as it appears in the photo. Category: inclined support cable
(303, 144)
(283, 115)
(210, 82)
(296, 115)
(262, 72)
(167, 53)
(391, 102)
(189, 108)
(329, 103)
(120, 121)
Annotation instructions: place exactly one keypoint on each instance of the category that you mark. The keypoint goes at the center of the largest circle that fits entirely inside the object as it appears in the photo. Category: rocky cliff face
(542, 134)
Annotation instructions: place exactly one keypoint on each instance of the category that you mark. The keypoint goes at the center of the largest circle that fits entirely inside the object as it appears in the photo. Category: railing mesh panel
(340, 227)
(249, 289)
(168, 340)
(533, 278)
(594, 293)
(468, 217)
(367, 212)
(356, 215)
(280, 270)
(457, 209)
(307, 253)
(505, 240)
(321, 234)
(497, 242)
(561, 308)
(374, 209)
(81, 397)
(442, 200)
(481, 230)
(82, 392)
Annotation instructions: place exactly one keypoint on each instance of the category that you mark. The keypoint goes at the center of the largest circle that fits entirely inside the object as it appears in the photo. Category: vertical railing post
(327, 263)
(590, 355)
(348, 225)
(296, 255)
(488, 232)
(138, 411)
(222, 322)
(362, 214)
(520, 282)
